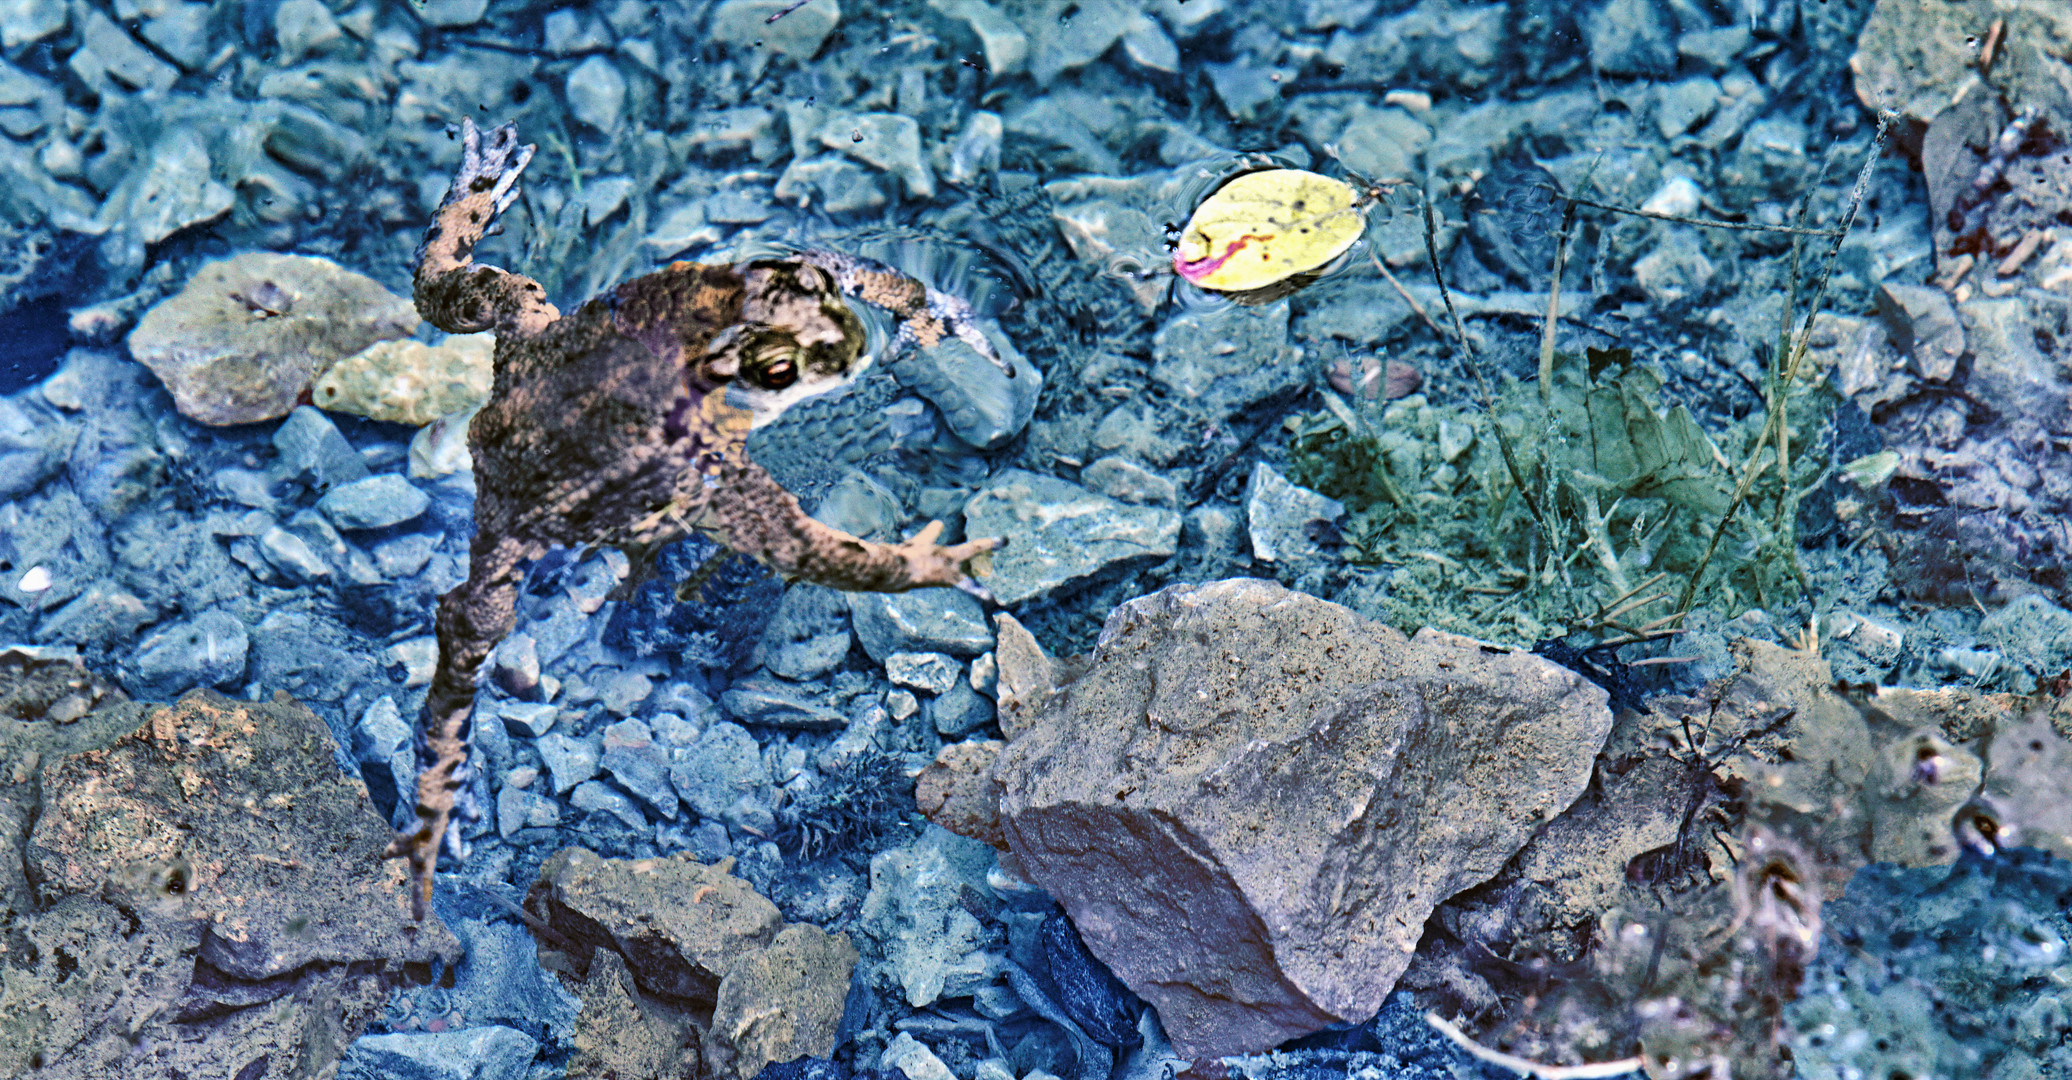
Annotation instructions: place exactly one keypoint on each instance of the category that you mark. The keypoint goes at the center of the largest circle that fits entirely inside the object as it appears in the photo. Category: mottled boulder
(200, 878)
(249, 333)
(678, 922)
(673, 939)
(1251, 799)
(780, 1003)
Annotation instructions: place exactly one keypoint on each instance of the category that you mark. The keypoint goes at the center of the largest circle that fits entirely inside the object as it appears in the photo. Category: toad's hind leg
(453, 293)
(473, 618)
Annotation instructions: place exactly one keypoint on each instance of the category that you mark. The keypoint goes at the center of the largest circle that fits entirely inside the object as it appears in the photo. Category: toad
(625, 424)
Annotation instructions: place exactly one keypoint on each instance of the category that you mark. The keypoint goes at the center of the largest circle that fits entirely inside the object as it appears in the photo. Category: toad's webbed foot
(926, 314)
(451, 292)
(930, 563)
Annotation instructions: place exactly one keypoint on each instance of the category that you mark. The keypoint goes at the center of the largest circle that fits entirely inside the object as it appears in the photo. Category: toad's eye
(776, 375)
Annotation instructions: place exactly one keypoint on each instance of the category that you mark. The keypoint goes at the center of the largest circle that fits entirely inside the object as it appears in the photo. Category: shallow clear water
(1734, 744)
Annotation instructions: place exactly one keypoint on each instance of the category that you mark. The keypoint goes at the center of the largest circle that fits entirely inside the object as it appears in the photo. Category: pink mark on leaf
(1201, 268)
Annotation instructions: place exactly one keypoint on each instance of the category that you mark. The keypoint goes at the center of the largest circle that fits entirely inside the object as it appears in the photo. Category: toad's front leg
(451, 292)
(751, 513)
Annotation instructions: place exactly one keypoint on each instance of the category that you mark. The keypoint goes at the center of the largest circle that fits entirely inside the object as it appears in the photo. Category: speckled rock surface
(409, 382)
(1251, 799)
(205, 860)
(247, 335)
(672, 939)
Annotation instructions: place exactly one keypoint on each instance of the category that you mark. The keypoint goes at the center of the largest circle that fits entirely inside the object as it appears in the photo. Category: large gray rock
(1059, 533)
(1251, 799)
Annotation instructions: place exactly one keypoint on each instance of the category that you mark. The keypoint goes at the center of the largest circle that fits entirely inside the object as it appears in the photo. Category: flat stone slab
(1059, 533)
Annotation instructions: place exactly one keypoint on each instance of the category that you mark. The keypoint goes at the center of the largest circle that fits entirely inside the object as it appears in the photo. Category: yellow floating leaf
(1266, 227)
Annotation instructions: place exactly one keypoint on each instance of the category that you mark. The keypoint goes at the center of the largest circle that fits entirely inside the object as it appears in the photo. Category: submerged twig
(1791, 369)
(1524, 1067)
(1474, 366)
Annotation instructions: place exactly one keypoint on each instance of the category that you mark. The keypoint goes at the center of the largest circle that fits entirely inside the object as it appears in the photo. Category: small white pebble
(1678, 196)
(36, 580)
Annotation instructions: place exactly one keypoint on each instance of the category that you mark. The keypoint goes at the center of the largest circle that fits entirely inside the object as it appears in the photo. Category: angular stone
(959, 711)
(492, 1052)
(570, 760)
(1206, 802)
(1000, 41)
(516, 664)
(517, 808)
(106, 51)
(1059, 533)
(597, 94)
(977, 150)
(799, 34)
(592, 796)
(182, 32)
(1921, 322)
(1124, 480)
(759, 700)
(932, 672)
(641, 767)
(375, 502)
(102, 615)
(1025, 678)
(923, 620)
(725, 765)
(207, 650)
(641, 909)
(781, 1003)
(292, 556)
(173, 191)
(1283, 520)
(623, 691)
(1224, 358)
(23, 21)
(808, 636)
(527, 720)
(2010, 374)
(834, 184)
(1057, 45)
(302, 27)
(311, 448)
(1629, 37)
(957, 791)
(885, 141)
(932, 946)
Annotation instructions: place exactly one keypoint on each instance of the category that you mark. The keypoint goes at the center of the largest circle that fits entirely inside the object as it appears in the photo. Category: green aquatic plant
(1621, 499)
(1582, 502)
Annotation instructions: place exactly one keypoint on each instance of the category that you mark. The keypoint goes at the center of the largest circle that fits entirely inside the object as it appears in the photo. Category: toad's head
(796, 338)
